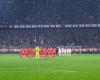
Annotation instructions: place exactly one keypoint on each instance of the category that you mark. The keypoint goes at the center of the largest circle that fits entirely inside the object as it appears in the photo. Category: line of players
(42, 52)
(65, 51)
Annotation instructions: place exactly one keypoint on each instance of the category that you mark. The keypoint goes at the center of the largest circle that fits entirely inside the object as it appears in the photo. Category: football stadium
(49, 39)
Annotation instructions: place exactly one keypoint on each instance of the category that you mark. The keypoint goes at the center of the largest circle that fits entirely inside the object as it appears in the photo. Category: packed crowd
(28, 37)
(49, 11)
(17, 38)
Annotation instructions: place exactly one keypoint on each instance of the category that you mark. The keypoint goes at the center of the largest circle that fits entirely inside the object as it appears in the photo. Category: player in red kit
(31, 52)
(26, 52)
(48, 52)
(21, 52)
(44, 52)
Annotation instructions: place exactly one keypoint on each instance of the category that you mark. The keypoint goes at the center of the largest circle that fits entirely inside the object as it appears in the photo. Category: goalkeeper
(37, 52)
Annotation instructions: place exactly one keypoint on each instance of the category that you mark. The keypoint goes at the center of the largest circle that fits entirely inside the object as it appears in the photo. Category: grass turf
(75, 67)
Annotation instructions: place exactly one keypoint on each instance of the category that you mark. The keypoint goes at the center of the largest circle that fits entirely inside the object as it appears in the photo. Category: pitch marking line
(48, 70)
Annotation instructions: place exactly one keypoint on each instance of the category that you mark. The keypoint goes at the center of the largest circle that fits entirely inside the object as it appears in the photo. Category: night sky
(49, 11)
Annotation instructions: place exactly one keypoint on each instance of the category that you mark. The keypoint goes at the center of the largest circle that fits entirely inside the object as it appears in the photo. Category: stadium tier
(49, 11)
(18, 38)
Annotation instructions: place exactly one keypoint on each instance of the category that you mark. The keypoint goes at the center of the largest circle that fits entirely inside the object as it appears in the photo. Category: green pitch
(75, 67)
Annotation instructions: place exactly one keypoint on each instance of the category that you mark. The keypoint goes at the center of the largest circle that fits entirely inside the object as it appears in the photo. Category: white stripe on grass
(39, 70)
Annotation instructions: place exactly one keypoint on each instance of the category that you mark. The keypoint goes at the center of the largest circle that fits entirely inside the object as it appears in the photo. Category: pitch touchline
(49, 70)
